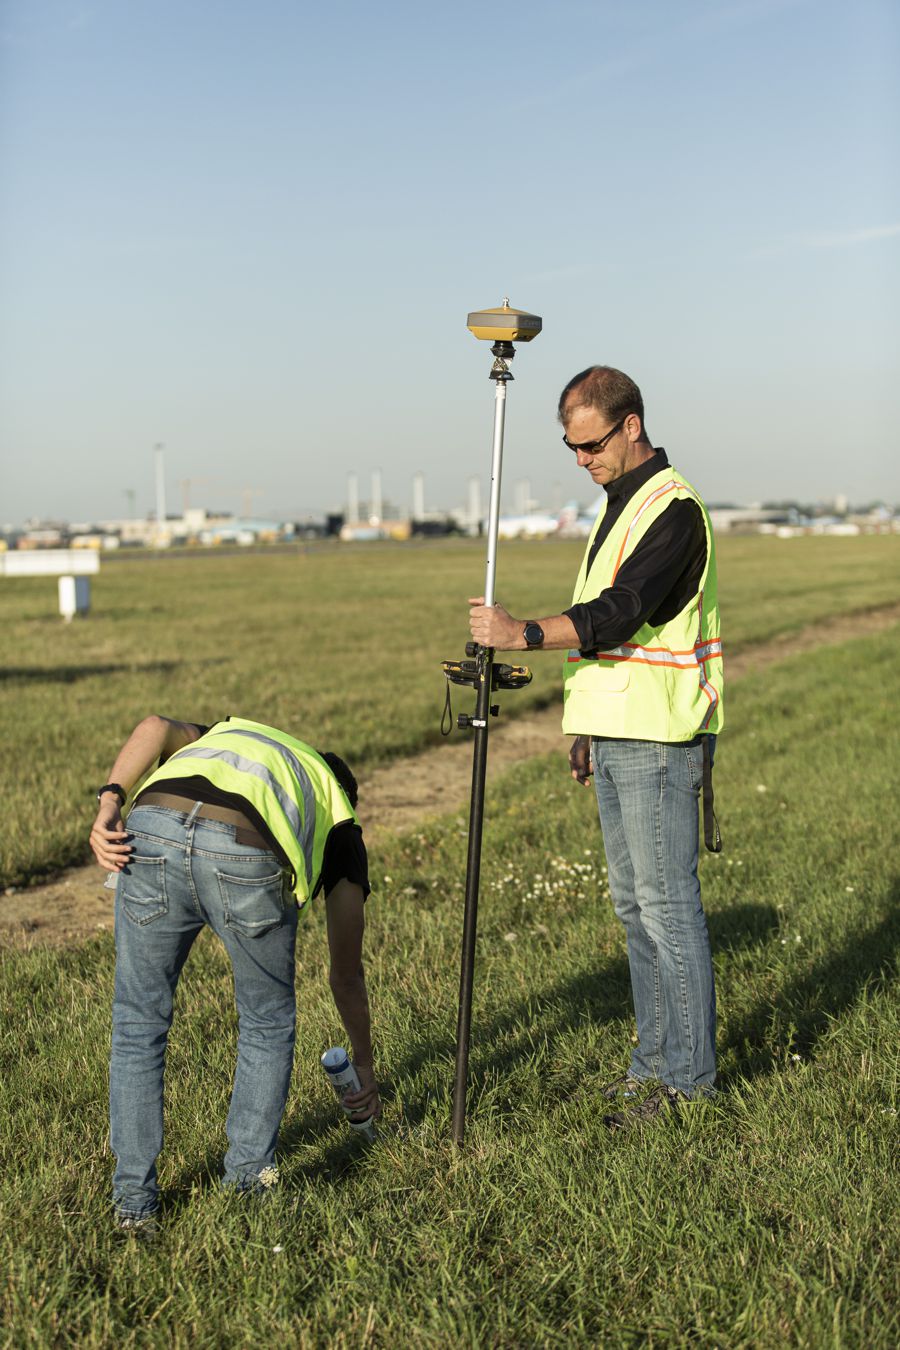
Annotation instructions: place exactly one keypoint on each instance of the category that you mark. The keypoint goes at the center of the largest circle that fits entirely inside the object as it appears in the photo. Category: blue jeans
(182, 874)
(648, 794)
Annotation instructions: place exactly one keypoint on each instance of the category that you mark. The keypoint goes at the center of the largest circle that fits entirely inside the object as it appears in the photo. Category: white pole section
(494, 509)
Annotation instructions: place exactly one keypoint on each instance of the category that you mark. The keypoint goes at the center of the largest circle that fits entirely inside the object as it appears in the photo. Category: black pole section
(485, 659)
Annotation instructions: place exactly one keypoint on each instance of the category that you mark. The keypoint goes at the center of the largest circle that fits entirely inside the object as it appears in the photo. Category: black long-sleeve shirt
(657, 580)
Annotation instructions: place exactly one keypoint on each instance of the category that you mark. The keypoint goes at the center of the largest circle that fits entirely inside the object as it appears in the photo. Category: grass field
(346, 641)
(766, 1219)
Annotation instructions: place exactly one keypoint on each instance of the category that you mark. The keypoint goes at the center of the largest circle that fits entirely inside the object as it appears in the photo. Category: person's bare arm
(153, 739)
(493, 626)
(345, 916)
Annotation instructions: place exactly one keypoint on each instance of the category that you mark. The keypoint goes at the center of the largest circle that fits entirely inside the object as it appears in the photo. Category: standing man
(237, 826)
(643, 698)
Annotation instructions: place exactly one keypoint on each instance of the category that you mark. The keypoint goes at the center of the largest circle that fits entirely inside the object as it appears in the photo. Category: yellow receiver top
(504, 324)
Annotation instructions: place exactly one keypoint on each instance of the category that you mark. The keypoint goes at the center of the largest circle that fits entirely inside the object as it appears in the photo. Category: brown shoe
(145, 1229)
(661, 1101)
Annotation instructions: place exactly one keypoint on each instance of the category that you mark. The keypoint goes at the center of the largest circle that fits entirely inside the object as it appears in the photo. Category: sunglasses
(589, 447)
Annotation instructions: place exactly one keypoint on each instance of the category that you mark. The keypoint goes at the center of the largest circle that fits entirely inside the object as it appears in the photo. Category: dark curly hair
(343, 774)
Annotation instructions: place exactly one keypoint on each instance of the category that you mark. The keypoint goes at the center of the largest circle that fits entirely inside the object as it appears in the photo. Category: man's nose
(583, 458)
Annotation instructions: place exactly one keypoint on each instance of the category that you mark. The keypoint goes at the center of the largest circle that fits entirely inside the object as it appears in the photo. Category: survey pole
(503, 327)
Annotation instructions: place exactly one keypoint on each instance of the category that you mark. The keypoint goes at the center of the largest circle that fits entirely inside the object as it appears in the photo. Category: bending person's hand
(366, 1102)
(109, 838)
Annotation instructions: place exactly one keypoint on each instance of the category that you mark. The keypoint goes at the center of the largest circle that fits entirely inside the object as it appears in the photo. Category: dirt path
(395, 797)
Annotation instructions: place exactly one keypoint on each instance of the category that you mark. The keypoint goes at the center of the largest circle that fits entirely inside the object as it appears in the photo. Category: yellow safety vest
(666, 683)
(288, 784)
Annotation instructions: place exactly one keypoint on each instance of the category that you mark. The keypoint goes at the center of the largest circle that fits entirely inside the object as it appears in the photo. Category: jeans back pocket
(143, 888)
(253, 904)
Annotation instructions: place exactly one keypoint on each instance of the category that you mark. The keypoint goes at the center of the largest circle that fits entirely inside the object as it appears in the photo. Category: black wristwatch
(113, 787)
(533, 633)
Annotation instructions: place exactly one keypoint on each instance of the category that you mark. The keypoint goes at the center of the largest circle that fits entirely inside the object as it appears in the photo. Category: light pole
(159, 455)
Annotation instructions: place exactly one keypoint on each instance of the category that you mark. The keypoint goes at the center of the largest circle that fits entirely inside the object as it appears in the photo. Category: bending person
(238, 826)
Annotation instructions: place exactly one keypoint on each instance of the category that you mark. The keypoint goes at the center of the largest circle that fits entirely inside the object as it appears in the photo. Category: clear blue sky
(253, 233)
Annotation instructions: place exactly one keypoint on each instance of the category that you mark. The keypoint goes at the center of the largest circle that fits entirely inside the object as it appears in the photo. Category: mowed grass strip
(765, 1219)
(343, 644)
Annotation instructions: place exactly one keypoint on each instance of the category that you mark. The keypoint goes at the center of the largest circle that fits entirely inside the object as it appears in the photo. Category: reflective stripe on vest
(644, 506)
(656, 656)
(305, 828)
(709, 689)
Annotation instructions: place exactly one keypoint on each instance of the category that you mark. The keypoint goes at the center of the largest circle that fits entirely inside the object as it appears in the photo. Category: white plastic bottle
(343, 1078)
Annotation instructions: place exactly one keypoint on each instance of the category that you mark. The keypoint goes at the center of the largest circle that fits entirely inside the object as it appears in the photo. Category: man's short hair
(343, 774)
(610, 391)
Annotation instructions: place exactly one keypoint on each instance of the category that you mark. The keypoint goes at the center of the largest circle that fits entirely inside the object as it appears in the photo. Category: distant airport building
(365, 532)
(749, 518)
(533, 525)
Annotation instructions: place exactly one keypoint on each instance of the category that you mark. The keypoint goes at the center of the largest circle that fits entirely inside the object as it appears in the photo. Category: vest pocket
(606, 677)
(143, 886)
(253, 905)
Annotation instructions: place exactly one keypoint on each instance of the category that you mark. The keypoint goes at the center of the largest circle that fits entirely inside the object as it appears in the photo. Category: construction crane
(187, 484)
(246, 493)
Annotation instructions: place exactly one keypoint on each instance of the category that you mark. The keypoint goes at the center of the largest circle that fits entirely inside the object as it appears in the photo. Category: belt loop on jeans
(193, 816)
(711, 835)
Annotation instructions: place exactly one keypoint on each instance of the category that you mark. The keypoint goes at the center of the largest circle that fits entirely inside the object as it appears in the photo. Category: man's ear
(633, 427)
